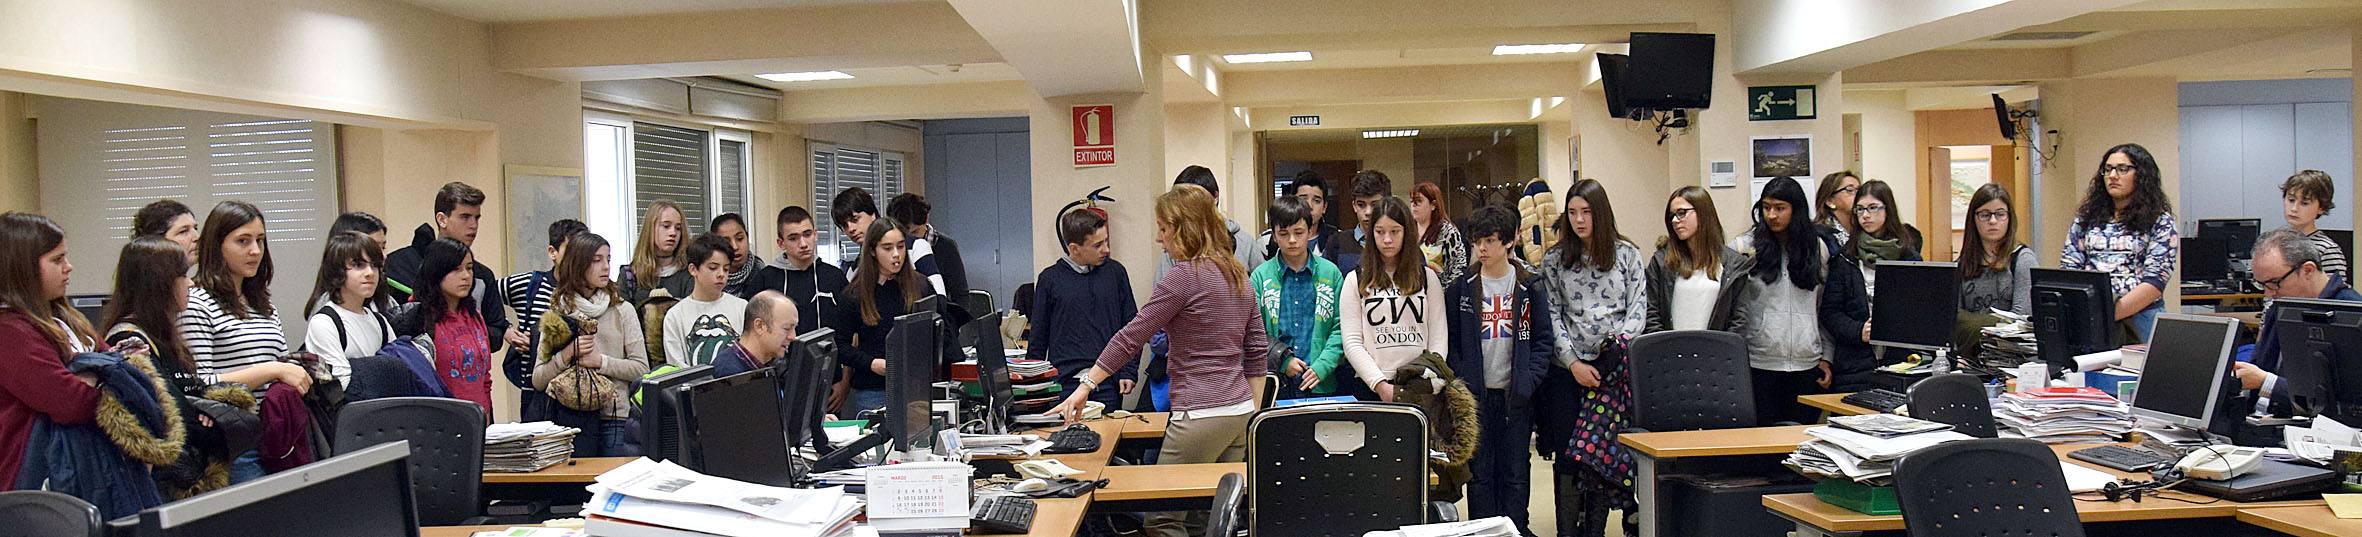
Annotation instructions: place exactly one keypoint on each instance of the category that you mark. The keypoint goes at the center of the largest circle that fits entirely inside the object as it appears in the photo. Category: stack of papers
(527, 447)
(1499, 526)
(2007, 344)
(2063, 415)
(1838, 453)
(2324, 442)
(645, 493)
(1887, 425)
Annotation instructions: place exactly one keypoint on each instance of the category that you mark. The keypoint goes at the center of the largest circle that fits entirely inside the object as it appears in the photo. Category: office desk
(582, 471)
(1650, 448)
(1816, 518)
(1152, 427)
(1834, 404)
(2310, 521)
(1165, 481)
(458, 531)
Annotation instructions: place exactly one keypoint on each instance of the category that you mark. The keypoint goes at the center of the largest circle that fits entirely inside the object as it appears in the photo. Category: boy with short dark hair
(1079, 302)
(851, 210)
(1297, 292)
(931, 252)
(706, 322)
(459, 210)
(1501, 343)
(807, 281)
(530, 293)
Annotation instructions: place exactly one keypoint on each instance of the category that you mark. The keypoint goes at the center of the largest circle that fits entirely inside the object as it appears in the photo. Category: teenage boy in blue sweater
(1079, 303)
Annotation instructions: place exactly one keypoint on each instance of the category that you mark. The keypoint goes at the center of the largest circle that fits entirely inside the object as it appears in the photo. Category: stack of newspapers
(646, 498)
(2063, 415)
(1864, 449)
(527, 447)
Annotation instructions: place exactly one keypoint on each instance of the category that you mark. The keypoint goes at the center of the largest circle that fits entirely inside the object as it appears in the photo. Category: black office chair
(446, 451)
(39, 513)
(1687, 380)
(1954, 399)
(1227, 495)
(1336, 469)
(1270, 390)
(977, 301)
(2000, 486)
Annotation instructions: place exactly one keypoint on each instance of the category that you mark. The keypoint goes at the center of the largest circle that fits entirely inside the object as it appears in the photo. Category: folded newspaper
(1484, 527)
(664, 494)
(2325, 442)
(1845, 454)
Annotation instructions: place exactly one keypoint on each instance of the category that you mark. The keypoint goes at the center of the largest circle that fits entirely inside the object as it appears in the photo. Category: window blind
(669, 163)
(730, 179)
(837, 168)
(100, 162)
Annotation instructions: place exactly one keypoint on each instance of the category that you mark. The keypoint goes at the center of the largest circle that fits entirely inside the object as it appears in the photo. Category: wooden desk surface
(457, 531)
(1834, 404)
(1717, 443)
(2315, 521)
(1805, 508)
(584, 470)
(1166, 481)
(1154, 427)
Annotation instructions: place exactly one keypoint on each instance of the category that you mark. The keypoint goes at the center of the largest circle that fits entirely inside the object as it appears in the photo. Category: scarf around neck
(1876, 249)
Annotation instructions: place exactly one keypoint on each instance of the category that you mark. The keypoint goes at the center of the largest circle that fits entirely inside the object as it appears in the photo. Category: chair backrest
(1954, 399)
(1223, 521)
(38, 513)
(978, 301)
(1336, 469)
(2003, 486)
(1270, 391)
(446, 449)
(1686, 380)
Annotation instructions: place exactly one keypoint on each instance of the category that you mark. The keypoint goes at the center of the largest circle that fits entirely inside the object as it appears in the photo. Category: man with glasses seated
(2287, 265)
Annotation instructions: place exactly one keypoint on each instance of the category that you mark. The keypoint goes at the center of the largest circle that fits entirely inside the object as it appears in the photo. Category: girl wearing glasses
(1689, 282)
(2125, 228)
(1833, 204)
(1997, 273)
(1878, 237)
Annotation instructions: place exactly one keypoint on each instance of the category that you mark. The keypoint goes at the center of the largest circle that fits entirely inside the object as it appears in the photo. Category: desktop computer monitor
(2238, 235)
(912, 360)
(2206, 259)
(2320, 343)
(982, 340)
(740, 426)
(366, 493)
(2343, 237)
(810, 366)
(2189, 359)
(661, 414)
(1916, 305)
(93, 307)
(2074, 314)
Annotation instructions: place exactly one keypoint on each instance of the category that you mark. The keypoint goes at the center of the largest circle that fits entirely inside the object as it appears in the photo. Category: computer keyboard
(1002, 514)
(1076, 438)
(1878, 399)
(2121, 458)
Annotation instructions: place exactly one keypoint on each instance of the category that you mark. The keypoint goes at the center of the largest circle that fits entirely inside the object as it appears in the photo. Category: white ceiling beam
(1471, 82)
(740, 42)
(1065, 47)
(1827, 36)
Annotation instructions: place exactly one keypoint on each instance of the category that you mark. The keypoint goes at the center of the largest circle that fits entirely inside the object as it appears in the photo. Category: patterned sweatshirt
(1590, 305)
(2130, 255)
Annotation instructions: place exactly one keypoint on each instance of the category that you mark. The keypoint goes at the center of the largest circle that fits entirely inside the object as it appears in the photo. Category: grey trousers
(1197, 441)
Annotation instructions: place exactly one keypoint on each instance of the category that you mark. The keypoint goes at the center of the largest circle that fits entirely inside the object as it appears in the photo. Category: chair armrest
(1438, 512)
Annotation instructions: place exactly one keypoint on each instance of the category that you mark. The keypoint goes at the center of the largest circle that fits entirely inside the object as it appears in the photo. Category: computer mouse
(1030, 486)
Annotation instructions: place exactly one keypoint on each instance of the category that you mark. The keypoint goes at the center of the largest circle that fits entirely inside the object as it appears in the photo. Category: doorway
(1955, 172)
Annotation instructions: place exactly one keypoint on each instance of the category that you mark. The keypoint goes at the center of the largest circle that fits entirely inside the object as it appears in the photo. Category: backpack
(652, 310)
(385, 326)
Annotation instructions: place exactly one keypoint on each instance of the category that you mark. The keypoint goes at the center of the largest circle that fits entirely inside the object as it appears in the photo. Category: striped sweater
(1210, 361)
(221, 343)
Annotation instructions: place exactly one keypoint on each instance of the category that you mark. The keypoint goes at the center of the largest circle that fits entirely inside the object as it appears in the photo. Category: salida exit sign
(1094, 135)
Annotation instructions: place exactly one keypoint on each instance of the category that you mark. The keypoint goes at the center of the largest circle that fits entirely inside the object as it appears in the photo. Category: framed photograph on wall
(537, 196)
(1780, 156)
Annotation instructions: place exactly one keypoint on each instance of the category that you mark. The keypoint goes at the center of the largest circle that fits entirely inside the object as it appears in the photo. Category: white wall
(1886, 142)
(2241, 139)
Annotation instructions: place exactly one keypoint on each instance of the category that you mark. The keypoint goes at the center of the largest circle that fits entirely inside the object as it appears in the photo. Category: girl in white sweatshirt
(1392, 305)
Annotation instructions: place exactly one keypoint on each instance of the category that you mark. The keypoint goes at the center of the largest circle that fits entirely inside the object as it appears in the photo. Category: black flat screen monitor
(2238, 234)
(1611, 83)
(1670, 71)
(2343, 237)
(661, 427)
(2074, 314)
(982, 339)
(811, 365)
(366, 493)
(1916, 305)
(912, 351)
(2206, 259)
(2320, 356)
(2182, 379)
(740, 426)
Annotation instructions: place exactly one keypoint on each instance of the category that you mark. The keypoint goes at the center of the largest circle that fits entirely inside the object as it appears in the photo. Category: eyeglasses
(2273, 285)
(1993, 215)
(1682, 214)
(2118, 169)
(1869, 209)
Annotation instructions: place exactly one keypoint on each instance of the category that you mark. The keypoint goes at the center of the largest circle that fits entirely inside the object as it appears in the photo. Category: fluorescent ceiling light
(1398, 133)
(1554, 48)
(807, 76)
(1268, 57)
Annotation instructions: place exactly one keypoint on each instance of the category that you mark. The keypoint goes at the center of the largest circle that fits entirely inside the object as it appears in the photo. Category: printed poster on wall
(1788, 155)
(1094, 135)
